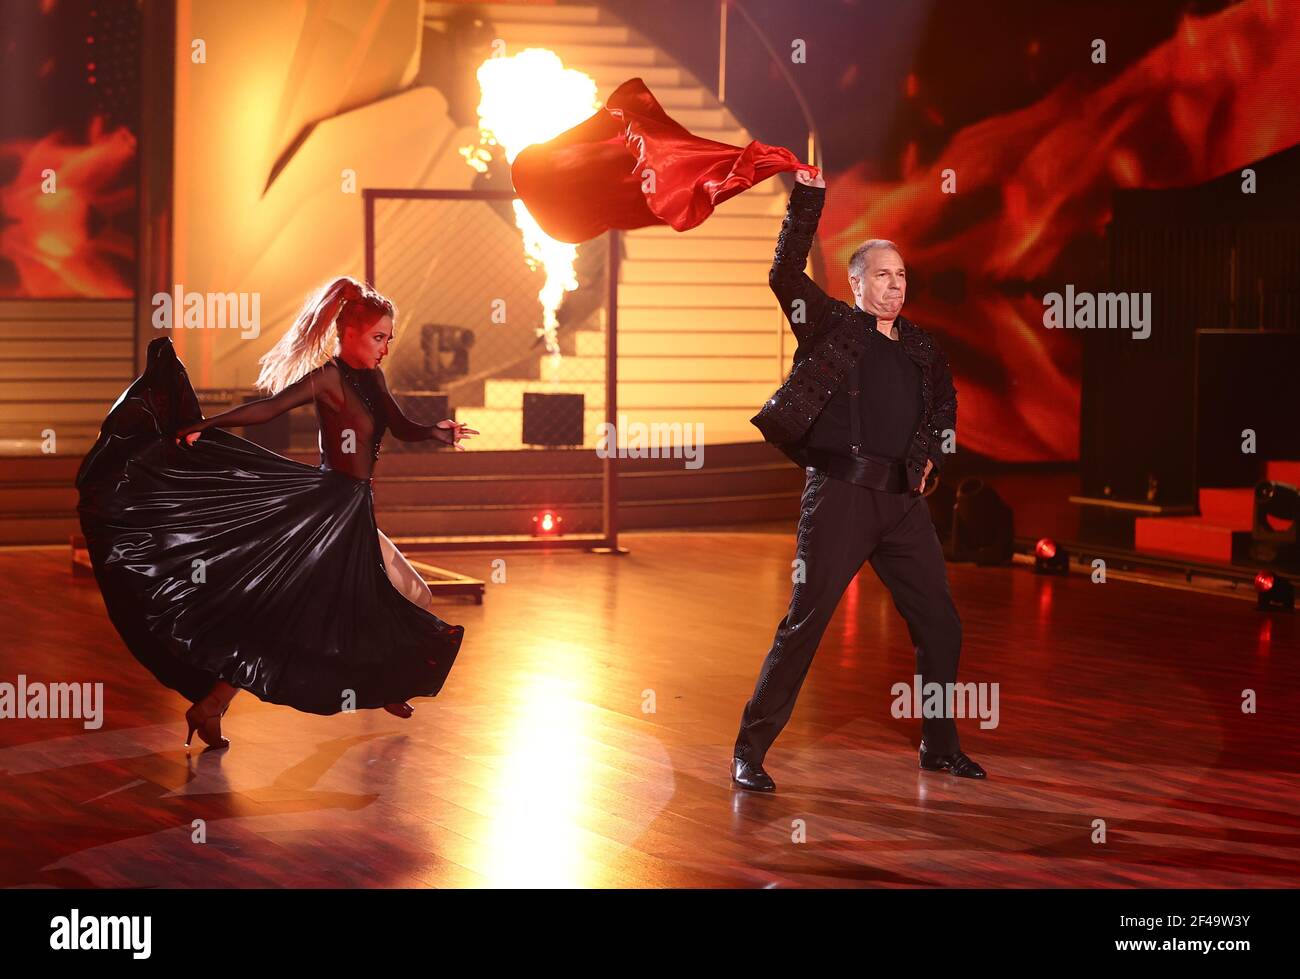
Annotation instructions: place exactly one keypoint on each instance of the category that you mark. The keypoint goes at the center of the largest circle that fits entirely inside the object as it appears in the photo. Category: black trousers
(841, 525)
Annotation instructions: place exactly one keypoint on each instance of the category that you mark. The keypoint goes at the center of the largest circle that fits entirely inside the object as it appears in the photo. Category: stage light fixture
(1279, 503)
(1050, 558)
(1274, 535)
(1275, 592)
(547, 524)
(982, 526)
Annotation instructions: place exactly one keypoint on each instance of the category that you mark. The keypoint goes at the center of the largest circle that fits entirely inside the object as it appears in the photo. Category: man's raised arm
(802, 300)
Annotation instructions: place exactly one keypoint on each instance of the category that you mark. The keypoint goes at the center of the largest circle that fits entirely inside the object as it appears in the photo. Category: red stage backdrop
(68, 82)
(1033, 199)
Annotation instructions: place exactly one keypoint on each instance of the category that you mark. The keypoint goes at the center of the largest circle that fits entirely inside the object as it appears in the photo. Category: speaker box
(553, 419)
(983, 526)
(1212, 260)
(425, 408)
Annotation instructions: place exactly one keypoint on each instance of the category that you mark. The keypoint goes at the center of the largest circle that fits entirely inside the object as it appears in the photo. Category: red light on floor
(1050, 559)
(547, 524)
(1276, 593)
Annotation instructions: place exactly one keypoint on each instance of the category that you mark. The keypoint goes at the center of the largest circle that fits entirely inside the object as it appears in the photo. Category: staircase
(62, 364)
(1221, 532)
(700, 337)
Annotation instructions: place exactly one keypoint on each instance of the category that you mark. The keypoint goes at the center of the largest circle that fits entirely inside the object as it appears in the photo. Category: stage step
(755, 342)
(703, 291)
(482, 492)
(642, 396)
(1190, 537)
(1222, 530)
(695, 320)
(719, 226)
(502, 428)
(1228, 506)
(401, 524)
(702, 294)
(756, 248)
(62, 365)
(676, 273)
(686, 366)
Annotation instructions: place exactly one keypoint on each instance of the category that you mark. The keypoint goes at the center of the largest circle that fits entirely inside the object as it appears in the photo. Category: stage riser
(491, 491)
(584, 518)
(440, 462)
(423, 494)
(1222, 531)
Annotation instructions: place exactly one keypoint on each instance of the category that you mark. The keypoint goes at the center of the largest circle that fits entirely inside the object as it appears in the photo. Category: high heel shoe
(200, 723)
(401, 710)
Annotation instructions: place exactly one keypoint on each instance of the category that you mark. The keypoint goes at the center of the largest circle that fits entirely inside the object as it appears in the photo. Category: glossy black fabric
(292, 600)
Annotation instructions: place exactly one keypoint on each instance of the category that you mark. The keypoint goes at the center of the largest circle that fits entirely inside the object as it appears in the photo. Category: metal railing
(444, 265)
(814, 138)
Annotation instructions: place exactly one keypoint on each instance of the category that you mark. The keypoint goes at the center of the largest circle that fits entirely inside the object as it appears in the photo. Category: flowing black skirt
(226, 560)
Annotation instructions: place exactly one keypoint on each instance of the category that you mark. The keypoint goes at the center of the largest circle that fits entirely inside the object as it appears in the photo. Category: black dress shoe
(750, 776)
(955, 764)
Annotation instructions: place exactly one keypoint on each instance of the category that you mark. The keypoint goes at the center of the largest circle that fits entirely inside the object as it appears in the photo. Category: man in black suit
(867, 409)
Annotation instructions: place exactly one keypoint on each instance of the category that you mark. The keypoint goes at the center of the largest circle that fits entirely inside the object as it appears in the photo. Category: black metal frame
(607, 540)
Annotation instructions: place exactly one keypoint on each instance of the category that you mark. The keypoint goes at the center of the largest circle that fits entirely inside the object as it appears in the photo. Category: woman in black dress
(226, 566)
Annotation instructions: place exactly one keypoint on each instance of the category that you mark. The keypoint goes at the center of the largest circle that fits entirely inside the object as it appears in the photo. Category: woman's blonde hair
(310, 341)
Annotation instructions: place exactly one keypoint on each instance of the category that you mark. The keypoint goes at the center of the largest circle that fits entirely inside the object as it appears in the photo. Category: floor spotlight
(547, 524)
(1275, 592)
(1049, 558)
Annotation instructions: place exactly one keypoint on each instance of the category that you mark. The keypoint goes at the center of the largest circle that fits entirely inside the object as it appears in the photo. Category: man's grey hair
(858, 262)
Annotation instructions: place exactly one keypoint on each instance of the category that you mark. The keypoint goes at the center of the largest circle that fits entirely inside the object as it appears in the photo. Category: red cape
(589, 179)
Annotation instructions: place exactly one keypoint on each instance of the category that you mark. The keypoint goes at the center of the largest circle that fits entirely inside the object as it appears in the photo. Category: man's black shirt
(889, 402)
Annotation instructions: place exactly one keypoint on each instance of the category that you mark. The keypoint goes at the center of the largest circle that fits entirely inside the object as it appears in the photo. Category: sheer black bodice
(352, 424)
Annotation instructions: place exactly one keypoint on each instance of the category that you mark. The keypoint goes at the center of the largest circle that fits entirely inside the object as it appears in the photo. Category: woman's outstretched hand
(459, 432)
(189, 434)
(804, 177)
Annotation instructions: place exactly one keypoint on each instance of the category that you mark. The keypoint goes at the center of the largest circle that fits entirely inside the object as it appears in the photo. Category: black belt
(874, 472)
(870, 471)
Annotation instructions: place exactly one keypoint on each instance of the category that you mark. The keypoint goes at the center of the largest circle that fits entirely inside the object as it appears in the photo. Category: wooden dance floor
(583, 740)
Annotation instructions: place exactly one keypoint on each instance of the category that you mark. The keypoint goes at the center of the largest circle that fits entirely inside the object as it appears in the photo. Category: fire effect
(76, 241)
(530, 98)
(1216, 96)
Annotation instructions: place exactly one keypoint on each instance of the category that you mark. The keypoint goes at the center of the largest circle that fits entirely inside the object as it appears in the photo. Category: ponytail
(310, 341)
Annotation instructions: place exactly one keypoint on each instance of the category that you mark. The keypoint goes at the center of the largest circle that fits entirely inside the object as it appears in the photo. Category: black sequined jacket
(831, 336)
